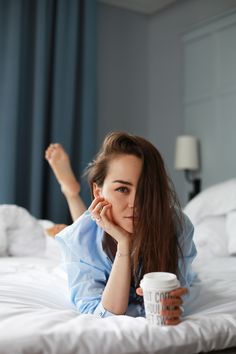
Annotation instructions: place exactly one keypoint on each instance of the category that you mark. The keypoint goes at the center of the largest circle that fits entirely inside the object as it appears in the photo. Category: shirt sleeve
(188, 253)
(86, 271)
(87, 282)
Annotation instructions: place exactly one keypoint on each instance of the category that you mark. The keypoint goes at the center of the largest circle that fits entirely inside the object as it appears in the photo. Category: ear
(97, 191)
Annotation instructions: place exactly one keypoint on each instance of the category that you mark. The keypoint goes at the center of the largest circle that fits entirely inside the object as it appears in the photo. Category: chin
(127, 228)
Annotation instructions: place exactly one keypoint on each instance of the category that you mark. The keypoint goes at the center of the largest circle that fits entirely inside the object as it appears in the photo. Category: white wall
(140, 73)
(165, 74)
(210, 95)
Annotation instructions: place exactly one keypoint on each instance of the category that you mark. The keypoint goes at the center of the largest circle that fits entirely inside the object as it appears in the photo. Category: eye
(122, 189)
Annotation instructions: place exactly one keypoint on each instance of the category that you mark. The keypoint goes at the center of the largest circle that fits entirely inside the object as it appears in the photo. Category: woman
(133, 226)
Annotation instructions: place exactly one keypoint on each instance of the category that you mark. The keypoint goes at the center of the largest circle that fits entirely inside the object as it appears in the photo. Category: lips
(130, 218)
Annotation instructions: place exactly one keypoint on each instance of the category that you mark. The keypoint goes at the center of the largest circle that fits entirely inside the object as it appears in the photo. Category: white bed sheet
(36, 315)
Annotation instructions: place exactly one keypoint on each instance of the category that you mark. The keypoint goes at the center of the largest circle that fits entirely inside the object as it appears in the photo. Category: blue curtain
(47, 94)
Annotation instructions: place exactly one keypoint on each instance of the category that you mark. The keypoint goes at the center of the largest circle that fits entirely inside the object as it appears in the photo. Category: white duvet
(36, 316)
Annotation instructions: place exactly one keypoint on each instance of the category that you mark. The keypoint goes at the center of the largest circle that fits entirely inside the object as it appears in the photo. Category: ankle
(72, 191)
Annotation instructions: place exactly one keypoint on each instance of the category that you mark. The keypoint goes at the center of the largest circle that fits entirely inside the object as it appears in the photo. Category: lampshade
(186, 153)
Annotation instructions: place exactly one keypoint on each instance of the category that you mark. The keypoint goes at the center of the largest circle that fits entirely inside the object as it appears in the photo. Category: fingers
(172, 301)
(171, 307)
(175, 313)
(106, 212)
(106, 209)
(178, 292)
(172, 321)
(139, 291)
(94, 203)
(98, 209)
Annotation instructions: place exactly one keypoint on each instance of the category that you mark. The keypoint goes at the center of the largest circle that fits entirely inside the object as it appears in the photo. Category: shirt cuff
(101, 312)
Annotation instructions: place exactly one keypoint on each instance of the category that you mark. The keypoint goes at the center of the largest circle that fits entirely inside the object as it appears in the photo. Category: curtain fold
(47, 94)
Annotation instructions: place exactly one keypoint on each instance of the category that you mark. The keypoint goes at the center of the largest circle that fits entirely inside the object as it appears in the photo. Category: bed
(36, 315)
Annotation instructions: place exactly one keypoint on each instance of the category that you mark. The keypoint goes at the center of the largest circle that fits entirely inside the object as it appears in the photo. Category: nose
(131, 200)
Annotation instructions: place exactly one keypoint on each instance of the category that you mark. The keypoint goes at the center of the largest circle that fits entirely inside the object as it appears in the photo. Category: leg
(52, 231)
(59, 161)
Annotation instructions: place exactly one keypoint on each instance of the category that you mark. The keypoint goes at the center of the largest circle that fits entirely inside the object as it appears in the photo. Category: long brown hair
(155, 244)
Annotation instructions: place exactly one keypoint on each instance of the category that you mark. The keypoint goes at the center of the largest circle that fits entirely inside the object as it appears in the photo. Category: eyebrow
(122, 182)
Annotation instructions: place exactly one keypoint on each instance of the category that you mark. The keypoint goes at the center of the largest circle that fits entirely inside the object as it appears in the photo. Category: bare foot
(60, 164)
(52, 231)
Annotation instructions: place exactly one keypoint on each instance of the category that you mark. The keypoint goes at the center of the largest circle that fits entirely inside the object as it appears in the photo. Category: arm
(90, 289)
(86, 274)
(115, 296)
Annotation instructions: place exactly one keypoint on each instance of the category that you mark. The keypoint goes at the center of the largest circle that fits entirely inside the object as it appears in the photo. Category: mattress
(36, 315)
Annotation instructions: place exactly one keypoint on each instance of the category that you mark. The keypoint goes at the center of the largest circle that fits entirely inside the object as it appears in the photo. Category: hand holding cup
(162, 304)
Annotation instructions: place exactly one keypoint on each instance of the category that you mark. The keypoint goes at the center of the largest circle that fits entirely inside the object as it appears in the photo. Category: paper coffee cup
(156, 286)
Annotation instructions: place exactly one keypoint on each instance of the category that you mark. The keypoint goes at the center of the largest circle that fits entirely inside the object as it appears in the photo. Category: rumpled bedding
(21, 234)
(36, 315)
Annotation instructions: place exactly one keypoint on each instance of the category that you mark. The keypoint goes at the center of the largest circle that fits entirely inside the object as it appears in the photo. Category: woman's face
(119, 189)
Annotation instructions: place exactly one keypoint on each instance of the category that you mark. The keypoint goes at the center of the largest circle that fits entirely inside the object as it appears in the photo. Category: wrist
(121, 254)
(123, 247)
(71, 189)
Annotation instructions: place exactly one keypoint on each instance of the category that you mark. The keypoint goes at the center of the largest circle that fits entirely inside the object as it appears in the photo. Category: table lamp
(187, 159)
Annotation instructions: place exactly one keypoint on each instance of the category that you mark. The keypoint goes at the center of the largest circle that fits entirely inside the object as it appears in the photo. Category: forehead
(125, 167)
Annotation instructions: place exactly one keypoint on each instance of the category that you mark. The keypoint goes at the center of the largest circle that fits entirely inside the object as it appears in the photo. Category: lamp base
(196, 188)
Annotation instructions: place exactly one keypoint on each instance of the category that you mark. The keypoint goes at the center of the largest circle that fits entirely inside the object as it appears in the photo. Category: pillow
(52, 248)
(210, 237)
(216, 200)
(3, 240)
(231, 232)
(23, 232)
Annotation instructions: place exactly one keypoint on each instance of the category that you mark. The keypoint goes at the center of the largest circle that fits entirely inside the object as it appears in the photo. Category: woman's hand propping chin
(101, 213)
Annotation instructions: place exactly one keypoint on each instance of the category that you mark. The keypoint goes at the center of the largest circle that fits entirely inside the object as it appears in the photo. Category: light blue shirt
(88, 266)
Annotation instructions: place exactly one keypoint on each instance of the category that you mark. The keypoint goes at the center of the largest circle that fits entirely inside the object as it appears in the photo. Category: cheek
(116, 202)
(109, 195)
(113, 201)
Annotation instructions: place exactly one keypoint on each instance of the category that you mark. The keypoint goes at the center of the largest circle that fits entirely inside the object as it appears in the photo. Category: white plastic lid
(159, 280)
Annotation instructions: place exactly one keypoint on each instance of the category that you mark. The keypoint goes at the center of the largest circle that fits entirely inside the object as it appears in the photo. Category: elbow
(115, 309)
